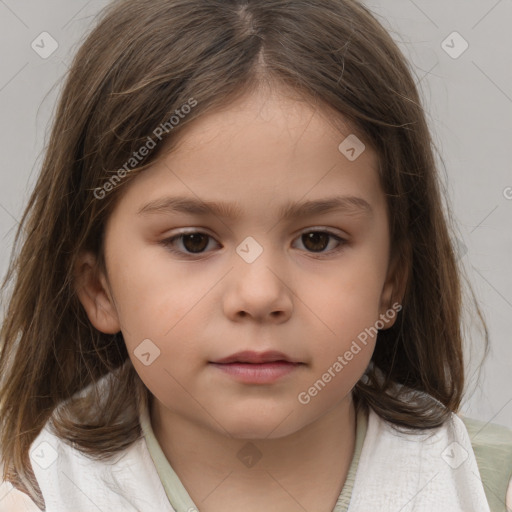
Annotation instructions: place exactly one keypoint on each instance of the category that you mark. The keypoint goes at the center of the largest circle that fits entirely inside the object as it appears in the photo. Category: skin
(261, 151)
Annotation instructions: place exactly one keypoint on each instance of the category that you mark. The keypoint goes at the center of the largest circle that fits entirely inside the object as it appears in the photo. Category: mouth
(251, 357)
(257, 368)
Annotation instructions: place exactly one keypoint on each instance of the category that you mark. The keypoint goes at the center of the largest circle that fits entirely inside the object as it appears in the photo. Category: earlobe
(93, 292)
(388, 293)
(394, 287)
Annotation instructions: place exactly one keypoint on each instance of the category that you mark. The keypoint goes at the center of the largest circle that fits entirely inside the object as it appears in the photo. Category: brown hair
(144, 60)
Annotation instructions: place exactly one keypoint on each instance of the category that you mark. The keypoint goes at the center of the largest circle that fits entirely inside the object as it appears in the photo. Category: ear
(394, 288)
(94, 293)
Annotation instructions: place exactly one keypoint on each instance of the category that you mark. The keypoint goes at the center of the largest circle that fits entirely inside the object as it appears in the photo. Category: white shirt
(420, 472)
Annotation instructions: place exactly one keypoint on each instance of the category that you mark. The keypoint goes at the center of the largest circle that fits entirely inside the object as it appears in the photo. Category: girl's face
(250, 279)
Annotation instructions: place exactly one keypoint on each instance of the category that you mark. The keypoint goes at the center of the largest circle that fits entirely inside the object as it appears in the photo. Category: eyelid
(325, 229)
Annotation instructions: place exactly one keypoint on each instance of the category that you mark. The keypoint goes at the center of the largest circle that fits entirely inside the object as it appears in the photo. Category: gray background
(469, 104)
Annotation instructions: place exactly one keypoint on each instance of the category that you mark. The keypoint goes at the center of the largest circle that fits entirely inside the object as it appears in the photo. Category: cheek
(157, 322)
(151, 294)
(166, 318)
(160, 342)
(347, 299)
(344, 343)
(344, 312)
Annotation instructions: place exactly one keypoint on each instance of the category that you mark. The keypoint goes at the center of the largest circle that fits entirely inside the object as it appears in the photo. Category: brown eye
(195, 242)
(316, 241)
(192, 243)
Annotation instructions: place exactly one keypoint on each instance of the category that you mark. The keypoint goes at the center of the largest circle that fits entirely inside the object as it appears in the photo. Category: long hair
(143, 62)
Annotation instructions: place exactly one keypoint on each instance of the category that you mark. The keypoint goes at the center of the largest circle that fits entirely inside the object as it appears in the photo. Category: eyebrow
(351, 205)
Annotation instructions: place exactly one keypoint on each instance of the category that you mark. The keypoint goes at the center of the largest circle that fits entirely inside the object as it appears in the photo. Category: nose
(259, 290)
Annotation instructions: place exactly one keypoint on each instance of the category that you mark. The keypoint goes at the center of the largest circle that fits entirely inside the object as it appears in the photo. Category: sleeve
(492, 445)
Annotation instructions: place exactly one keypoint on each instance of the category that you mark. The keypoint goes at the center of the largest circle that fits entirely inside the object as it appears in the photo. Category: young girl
(307, 354)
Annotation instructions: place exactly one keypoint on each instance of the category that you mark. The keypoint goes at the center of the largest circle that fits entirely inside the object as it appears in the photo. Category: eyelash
(168, 242)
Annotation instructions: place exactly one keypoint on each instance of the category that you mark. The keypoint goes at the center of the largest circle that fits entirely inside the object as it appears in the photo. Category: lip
(249, 356)
(257, 373)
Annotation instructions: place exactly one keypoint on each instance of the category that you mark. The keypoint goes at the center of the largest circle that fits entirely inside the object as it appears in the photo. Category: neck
(305, 470)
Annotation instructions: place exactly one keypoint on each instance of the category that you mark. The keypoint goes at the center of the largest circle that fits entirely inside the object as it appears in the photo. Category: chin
(255, 427)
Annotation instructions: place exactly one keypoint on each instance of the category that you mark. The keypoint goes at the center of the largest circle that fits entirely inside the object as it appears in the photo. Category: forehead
(266, 148)
(279, 110)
